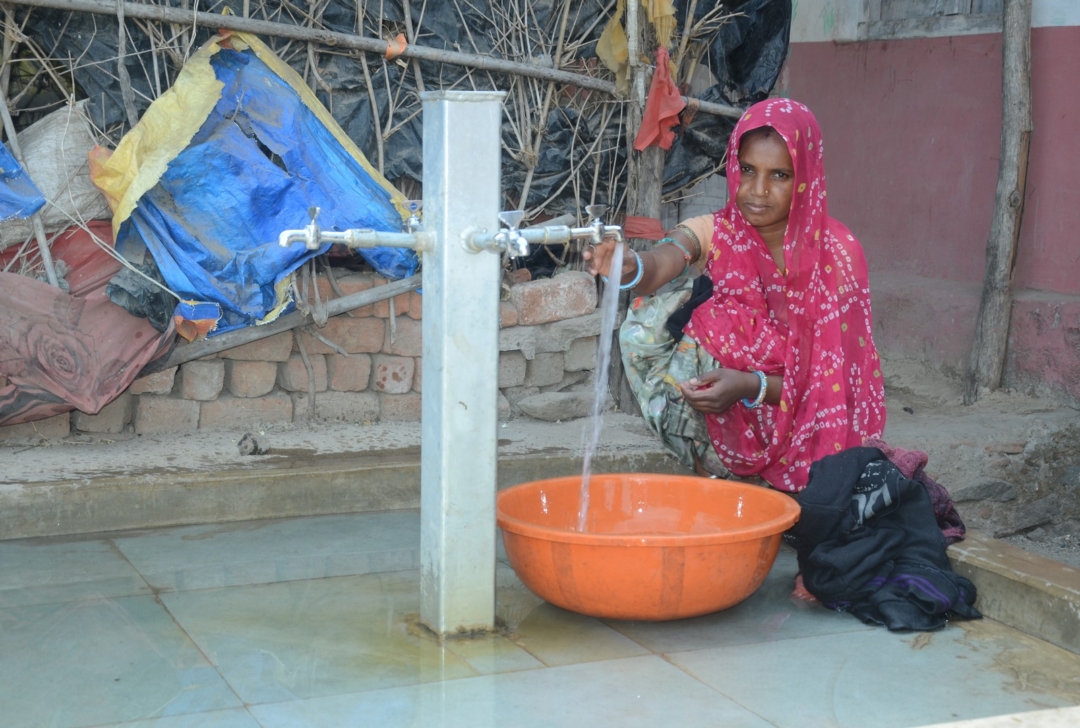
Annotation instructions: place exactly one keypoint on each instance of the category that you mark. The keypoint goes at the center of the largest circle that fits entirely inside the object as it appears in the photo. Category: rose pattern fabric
(61, 351)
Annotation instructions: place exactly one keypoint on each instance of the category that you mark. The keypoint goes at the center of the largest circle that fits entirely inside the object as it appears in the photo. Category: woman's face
(768, 177)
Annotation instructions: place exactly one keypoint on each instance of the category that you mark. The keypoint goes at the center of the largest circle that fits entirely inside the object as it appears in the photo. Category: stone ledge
(281, 488)
(1023, 590)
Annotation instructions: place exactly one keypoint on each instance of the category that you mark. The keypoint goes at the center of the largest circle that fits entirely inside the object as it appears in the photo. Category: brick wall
(369, 371)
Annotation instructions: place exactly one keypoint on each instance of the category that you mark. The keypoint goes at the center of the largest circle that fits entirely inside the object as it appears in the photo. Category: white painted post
(462, 131)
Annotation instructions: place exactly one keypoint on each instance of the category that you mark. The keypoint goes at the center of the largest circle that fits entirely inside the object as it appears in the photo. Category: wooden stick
(126, 92)
(16, 150)
(995, 307)
(346, 40)
(205, 347)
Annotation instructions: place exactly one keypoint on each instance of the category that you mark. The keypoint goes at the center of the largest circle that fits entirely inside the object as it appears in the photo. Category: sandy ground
(925, 413)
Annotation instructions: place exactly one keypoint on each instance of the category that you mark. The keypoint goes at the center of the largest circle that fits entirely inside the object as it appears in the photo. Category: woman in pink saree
(776, 368)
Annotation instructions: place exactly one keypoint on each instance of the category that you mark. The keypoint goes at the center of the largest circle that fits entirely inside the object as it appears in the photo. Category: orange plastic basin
(655, 547)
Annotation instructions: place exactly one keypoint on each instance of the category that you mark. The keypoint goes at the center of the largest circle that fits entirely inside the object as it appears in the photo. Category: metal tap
(313, 236)
(412, 224)
(517, 241)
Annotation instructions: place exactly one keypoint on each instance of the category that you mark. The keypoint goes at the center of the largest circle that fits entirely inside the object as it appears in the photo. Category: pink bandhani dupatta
(811, 324)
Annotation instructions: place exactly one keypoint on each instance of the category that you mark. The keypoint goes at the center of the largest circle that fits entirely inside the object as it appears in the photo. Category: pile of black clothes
(869, 543)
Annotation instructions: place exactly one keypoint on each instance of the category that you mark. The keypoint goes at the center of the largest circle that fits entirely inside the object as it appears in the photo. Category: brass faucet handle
(512, 218)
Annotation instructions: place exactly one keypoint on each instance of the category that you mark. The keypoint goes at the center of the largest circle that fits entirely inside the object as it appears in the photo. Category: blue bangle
(637, 278)
(761, 392)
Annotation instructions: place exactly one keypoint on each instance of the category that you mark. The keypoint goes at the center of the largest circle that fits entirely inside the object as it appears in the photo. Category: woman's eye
(780, 175)
(744, 169)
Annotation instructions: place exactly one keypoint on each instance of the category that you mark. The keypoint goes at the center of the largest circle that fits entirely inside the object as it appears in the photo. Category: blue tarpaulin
(257, 164)
(19, 196)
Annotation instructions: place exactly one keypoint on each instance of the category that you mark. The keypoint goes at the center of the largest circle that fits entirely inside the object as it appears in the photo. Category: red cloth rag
(662, 107)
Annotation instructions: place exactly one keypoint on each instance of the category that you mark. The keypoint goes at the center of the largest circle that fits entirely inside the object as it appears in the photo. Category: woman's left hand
(715, 391)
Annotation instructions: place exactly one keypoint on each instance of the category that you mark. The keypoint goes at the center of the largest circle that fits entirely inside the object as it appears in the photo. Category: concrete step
(65, 489)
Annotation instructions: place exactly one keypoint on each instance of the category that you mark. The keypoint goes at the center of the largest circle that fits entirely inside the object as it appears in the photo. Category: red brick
(508, 315)
(157, 414)
(392, 374)
(408, 341)
(246, 412)
(348, 373)
(112, 418)
(156, 383)
(567, 295)
(400, 407)
(354, 335)
(349, 284)
(202, 380)
(401, 302)
(416, 305)
(356, 407)
(293, 376)
(52, 428)
(272, 348)
(250, 378)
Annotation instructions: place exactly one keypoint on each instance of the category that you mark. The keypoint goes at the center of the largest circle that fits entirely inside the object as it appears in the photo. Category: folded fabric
(912, 464)
(868, 543)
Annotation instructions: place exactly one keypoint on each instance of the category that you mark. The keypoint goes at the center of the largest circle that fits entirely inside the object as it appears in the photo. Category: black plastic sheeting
(745, 57)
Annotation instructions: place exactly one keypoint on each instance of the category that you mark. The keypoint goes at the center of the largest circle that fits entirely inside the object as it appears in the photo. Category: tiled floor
(309, 622)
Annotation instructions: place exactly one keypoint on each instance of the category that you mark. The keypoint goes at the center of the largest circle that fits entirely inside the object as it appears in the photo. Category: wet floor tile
(768, 614)
(39, 571)
(236, 718)
(970, 671)
(491, 654)
(263, 552)
(553, 635)
(642, 692)
(303, 639)
(101, 661)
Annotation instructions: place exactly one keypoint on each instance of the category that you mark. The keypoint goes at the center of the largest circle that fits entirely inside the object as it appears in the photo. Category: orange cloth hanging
(662, 107)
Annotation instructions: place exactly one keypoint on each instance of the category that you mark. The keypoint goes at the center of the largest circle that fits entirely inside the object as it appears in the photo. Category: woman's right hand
(598, 259)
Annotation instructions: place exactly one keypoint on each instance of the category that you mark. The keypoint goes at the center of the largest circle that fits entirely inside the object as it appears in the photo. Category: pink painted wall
(913, 134)
(912, 129)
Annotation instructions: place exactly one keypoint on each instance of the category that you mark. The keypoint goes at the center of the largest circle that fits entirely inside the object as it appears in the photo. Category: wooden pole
(344, 40)
(995, 307)
(644, 183)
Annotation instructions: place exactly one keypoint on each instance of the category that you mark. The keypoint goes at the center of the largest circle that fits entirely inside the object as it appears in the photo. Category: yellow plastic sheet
(613, 51)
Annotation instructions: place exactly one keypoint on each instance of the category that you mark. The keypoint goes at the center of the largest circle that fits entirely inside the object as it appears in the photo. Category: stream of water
(609, 308)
